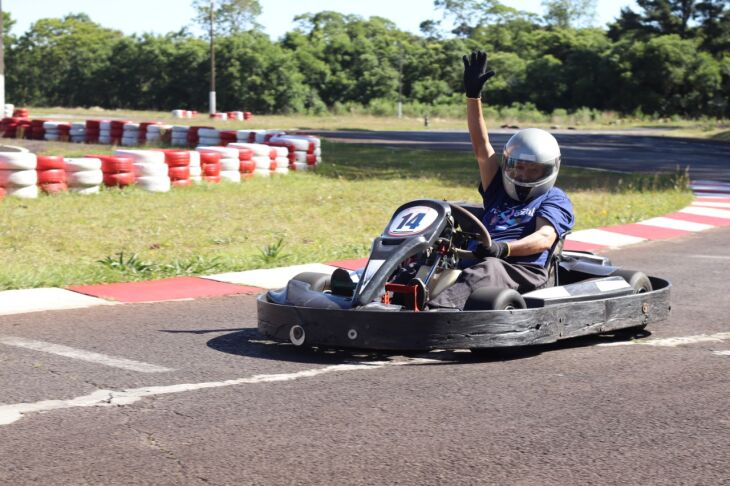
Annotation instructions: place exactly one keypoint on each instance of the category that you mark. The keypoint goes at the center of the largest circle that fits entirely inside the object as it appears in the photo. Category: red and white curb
(703, 214)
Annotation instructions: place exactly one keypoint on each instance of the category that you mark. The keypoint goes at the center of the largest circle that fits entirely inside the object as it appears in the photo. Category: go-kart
(384, 306)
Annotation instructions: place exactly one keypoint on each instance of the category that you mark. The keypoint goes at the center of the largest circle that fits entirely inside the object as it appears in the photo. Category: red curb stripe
(646, 231)
(581, 246)
(166, 289)
(349, 264)
(703, 199)
(696, 218)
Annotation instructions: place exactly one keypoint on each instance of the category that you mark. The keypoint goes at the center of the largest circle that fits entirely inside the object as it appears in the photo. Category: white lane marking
(675, 341)
(712, 212)
(35, 300)
(82, 355)
(719, 205)
(677, 224)
(603, 237)
(106, 398)
(721, 353)
(272, 278)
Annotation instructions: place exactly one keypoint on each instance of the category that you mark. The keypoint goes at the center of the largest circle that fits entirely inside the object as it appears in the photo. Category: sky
(162, 16)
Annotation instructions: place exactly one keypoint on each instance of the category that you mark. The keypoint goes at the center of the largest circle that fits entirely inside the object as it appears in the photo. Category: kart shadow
(248, 343)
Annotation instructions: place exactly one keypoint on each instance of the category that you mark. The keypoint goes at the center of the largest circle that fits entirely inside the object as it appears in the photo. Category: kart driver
(524, 214)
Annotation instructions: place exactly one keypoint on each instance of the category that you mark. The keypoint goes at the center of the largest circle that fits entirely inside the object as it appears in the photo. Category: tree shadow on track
(249, 343)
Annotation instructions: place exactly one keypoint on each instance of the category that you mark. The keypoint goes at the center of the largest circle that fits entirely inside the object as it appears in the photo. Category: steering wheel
(481, 234)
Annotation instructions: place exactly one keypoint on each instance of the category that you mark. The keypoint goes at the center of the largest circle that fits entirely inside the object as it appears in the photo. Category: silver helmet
(530, 164)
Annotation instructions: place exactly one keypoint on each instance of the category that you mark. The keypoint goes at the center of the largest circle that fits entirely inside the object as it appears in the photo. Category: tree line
(669, 57)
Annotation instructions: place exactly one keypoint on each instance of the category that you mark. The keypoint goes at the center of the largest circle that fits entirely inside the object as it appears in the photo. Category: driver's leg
(491, 272)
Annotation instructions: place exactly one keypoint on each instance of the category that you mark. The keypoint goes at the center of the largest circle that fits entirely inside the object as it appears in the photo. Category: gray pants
(491, 272)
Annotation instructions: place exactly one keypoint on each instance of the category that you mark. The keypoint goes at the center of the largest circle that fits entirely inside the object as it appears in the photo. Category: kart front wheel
(638, 280)
(490, 298)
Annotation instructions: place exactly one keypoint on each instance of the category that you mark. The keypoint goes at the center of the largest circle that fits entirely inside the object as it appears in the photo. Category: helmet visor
(526, 172)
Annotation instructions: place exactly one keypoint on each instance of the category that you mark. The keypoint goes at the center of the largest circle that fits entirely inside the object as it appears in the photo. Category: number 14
(411, 222)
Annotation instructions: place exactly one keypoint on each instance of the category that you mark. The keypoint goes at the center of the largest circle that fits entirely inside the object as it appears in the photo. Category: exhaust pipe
(297, 335)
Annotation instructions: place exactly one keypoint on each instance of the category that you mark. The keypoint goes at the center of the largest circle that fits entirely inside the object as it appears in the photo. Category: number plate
(412, 221)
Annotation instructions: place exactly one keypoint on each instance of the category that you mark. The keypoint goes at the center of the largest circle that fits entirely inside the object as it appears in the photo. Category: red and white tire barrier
(183, 113)
(116, 130)
(246, 164)
(18, 176)
(150, 169)
(117, 170)
(179, 136)
(77, 133)
(130, 134)
(196, 171)
(263, 157)
(105, 131)
(229, 162)
(51, 173)
(178, 167)
(207, 137)
(93, 130)
(305, 152)
(83, 174)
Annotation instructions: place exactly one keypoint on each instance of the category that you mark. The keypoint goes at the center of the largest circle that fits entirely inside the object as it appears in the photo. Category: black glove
(475, 74)
(498, 249)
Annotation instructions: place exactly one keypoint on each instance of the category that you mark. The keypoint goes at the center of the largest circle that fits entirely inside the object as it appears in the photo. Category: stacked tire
(37, 132)
(305, 152)
(78, 132)
(227, 137)
(50, 131)
(153, 134)
(196, 172)
(51, 174)
(18, 176)
(117, 170)
(207, 137)
(93, 131)
(130, 135)
(178, 163)
(210, 166)
(143, 129)
(117, 130)
(105, 131)
(263, 157)
(83, 175)
(150, 169)
(179, 136)
(229, 163)
(246, 164)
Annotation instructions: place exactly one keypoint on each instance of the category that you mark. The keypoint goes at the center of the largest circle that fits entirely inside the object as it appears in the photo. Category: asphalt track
(626, 150)
(186, 393)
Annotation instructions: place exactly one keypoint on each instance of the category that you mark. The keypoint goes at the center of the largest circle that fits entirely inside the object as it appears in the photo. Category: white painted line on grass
(271, 278)
(677, 224)
(82, 355)
(603, 237)
(106, 398)
(721, 353)
(35, 300)
(712, 212)
(675, 341)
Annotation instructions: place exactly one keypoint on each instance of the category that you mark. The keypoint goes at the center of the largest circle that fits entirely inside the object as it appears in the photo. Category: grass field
(267, 222)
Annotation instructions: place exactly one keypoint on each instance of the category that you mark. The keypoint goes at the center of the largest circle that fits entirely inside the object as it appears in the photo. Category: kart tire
(50, 162)
(491, 298)
(79, 164)
(317, 281)
(638, 280)
(51, 176)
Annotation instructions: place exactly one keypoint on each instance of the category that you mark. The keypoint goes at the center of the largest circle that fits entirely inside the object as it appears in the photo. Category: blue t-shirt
(509, 220)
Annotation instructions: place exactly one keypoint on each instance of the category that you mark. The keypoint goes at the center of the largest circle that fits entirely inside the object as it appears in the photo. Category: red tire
(177, 158)
(179, 172)
(210, 158)
(51, 176)
(247, 166)
(245, 154)
(211, 170)
(119, 180)
(54, 187)
(182, 183)
(213, 179)
(50, 162)
(114, 164)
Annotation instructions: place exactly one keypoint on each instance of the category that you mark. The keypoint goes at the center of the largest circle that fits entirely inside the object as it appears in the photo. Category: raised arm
(475, 75)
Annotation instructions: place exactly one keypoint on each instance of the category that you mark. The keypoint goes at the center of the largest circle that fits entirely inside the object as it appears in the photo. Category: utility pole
(211, 98)
(400, 81)
(2, 62)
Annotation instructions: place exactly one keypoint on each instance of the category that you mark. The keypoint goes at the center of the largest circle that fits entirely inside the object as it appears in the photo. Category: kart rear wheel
(638, 280)
(490, 298)
(317, 281)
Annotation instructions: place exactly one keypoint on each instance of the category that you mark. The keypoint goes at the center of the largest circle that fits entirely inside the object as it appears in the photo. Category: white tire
(26, 192)
(84, 178)
(18, 160)
(263, 136)
(209, 141)
(196, 179)
(180, 129)
(144, 156)
(154, 184)
(75, 132)
(231, 175)
(130, 141)
(282, 170)
(194, 158)
(299, 167)
(226, 152)
(281, 151)
(18, 178)
(195, 171)
(85, 190)
(131, 127)
(229, 164)
(77, 164)
(102, 139)
(50, 125)
(145, 169)
(257, 148)
(282, 162)
(105, 125)
(262, 173)
(154, 128)
(209, 133)
(262, 163)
